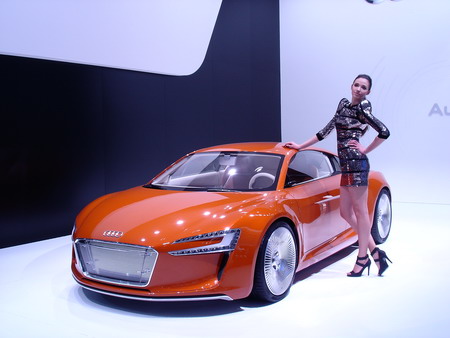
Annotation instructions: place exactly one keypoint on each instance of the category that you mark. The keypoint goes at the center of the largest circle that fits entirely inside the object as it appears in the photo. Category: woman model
(351, 122)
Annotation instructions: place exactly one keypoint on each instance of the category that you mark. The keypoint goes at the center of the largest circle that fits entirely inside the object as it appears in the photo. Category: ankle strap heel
(382, 259)
(363, 265)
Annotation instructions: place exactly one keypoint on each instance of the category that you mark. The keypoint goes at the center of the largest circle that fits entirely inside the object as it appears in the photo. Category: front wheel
(276, 263)
(382, 218)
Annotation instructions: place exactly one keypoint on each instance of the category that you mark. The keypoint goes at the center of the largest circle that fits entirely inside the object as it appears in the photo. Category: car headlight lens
(222, 241)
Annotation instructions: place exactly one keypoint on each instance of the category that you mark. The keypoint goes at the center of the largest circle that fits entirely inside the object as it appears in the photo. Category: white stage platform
(39, 298)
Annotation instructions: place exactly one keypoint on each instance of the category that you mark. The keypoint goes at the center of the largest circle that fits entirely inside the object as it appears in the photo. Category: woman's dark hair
(364, 76)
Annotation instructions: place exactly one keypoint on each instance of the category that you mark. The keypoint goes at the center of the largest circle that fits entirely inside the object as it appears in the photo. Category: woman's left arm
(383, 131)
(367, 117)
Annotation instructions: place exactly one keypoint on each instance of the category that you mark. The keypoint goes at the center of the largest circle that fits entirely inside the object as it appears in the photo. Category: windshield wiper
(222, 190)
(154, 186)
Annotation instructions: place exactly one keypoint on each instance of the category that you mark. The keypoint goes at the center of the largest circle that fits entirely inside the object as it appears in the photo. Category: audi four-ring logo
(112, 233)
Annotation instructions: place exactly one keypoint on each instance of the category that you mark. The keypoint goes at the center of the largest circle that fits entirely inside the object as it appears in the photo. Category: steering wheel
(258, 175)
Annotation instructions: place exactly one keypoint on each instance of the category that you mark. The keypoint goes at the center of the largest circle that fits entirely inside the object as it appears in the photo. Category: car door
(313, 182)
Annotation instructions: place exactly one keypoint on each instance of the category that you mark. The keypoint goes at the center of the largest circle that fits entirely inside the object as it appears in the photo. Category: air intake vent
(117, 263)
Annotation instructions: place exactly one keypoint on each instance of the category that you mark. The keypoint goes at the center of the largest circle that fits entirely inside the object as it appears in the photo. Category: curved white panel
(157, 36)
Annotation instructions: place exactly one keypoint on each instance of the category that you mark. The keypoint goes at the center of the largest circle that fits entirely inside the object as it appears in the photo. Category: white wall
(157, 36)
(405, 47)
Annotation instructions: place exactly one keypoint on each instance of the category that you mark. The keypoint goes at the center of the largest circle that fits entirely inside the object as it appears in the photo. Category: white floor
(38, 297)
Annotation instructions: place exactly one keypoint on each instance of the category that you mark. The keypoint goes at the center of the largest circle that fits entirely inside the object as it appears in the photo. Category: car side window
(306, 166)
(335, 163)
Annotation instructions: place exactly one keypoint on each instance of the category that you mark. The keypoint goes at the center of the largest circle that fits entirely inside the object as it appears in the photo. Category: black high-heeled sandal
(364, 266)
(382, 259)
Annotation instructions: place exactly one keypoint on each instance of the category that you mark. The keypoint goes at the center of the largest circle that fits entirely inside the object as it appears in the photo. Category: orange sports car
(224, 222)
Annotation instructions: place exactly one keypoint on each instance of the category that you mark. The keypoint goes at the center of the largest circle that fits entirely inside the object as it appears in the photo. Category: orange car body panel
(157, 218)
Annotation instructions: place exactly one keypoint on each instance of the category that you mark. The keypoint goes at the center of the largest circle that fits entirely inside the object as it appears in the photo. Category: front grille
(117, 263)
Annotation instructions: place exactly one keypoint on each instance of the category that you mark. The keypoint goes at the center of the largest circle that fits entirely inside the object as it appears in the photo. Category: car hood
(154, 217)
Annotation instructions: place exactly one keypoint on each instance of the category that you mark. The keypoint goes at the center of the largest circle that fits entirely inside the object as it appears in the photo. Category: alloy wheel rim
(384, 215)
(279, 261)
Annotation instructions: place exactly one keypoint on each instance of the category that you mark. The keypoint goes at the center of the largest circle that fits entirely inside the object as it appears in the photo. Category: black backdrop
(70, 133)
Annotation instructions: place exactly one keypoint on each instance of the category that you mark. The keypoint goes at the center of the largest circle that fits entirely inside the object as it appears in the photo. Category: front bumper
(182, 278)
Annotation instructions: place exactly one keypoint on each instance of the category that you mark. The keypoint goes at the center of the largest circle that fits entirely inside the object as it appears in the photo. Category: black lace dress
(351, 122)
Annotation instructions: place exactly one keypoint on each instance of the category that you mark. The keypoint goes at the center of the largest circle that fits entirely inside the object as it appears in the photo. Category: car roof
(262, 147)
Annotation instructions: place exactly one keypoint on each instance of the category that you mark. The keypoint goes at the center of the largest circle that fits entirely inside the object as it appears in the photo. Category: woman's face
(360, 88)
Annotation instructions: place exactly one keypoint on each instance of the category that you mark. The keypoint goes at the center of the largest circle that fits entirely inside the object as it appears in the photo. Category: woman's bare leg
(354, 210)
(348, 214)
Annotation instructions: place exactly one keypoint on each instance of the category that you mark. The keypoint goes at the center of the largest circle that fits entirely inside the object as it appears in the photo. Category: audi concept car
(224, 222)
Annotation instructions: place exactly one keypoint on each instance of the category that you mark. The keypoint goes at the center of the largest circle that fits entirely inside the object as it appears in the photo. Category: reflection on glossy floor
(38, 297)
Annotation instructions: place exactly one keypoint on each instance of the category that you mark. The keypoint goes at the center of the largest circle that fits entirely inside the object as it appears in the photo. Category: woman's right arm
(321, 134)
(305, 144)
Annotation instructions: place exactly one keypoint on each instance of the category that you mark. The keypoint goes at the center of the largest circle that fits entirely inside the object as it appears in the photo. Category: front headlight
(221, 241)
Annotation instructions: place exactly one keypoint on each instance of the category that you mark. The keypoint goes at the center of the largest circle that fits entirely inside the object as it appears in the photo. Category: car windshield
(222, 171)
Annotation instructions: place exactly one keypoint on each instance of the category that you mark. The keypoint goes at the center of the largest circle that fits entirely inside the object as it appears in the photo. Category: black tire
(276, 263)
(382, 217)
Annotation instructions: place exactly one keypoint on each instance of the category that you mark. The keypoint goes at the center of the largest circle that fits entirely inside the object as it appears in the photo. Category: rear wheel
(276, 263)
(382, 218)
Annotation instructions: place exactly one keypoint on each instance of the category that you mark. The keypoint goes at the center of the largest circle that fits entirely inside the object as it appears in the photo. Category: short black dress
(351, 122)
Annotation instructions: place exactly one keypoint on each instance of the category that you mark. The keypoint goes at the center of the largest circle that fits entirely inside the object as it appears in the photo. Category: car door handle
(328, 198)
